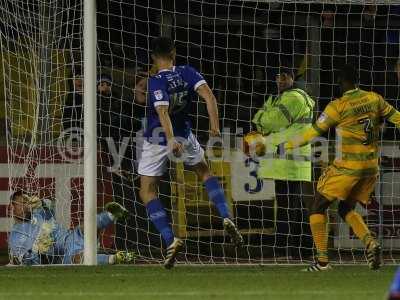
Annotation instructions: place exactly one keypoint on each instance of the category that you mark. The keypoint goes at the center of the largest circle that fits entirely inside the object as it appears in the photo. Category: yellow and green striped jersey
(357, 116)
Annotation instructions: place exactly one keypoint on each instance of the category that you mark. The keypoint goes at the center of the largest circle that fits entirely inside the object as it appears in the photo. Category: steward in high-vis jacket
(281, 118)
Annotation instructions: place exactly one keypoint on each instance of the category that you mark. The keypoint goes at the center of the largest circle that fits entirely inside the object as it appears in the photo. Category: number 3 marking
(253, 173)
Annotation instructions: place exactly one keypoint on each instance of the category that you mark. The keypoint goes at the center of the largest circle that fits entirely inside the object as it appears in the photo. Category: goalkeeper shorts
(73, 245)
(334, 185)
(154, 158)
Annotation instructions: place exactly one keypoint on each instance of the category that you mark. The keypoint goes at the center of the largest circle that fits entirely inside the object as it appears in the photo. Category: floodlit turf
(194, 282)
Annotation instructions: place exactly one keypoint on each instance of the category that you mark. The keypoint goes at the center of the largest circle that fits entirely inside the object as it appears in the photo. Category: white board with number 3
(245, 184)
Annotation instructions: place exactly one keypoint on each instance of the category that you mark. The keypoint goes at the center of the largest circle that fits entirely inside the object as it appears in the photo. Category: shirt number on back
(369, 130)
(178, 101)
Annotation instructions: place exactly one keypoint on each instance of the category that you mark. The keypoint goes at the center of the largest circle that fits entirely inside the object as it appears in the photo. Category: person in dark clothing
(113, 116)
(73, 108)
(115, 121)
(108, 108)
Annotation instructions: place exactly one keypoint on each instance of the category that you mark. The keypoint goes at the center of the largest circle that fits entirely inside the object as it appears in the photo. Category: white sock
(111, 259)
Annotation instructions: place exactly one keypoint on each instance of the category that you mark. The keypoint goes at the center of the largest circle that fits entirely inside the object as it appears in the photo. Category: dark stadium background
(235, 38)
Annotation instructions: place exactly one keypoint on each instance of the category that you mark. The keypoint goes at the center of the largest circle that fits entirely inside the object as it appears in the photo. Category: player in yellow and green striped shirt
(357, 116)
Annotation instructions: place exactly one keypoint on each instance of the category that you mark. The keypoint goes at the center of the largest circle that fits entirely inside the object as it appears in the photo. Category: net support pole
(90, 153)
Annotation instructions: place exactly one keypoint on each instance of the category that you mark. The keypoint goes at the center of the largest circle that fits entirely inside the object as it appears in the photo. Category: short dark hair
(162, 46)
(286, 70)
(103, 77)
(348, 73)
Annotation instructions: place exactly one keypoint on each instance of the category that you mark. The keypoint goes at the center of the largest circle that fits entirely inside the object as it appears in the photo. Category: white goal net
(238, 46)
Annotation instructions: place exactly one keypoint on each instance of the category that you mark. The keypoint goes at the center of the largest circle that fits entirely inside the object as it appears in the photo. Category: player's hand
(215, 132)
(176, 147)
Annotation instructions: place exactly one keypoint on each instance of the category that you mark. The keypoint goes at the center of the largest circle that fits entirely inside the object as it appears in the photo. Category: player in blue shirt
(168, 135)
(36, 237)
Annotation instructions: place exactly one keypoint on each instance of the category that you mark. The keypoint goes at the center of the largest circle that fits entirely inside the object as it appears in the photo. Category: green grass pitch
(193, 282)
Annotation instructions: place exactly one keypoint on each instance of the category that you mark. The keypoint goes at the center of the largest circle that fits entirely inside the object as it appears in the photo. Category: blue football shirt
(177, 89)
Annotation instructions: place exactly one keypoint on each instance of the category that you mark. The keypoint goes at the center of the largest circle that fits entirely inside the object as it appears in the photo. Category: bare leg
(202, 170)
(148, 188)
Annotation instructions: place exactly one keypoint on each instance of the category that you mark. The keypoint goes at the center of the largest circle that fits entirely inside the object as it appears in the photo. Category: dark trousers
(293, 235)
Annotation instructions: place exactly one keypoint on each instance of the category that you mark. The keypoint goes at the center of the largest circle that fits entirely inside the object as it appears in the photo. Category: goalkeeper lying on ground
(36, 237)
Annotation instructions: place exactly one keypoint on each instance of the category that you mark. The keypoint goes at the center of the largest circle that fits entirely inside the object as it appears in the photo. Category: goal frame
(90, 153)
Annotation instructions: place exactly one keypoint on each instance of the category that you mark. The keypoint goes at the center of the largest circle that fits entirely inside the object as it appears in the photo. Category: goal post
(90, 131)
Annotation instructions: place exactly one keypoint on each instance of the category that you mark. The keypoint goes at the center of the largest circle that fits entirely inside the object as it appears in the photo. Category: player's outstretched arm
(388, 112)
(393, 116)
(165, 120)
(205, 92)
(302, 139)
(329, 118)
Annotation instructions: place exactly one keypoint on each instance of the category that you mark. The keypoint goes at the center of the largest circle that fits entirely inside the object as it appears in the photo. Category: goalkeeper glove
(34, 202)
